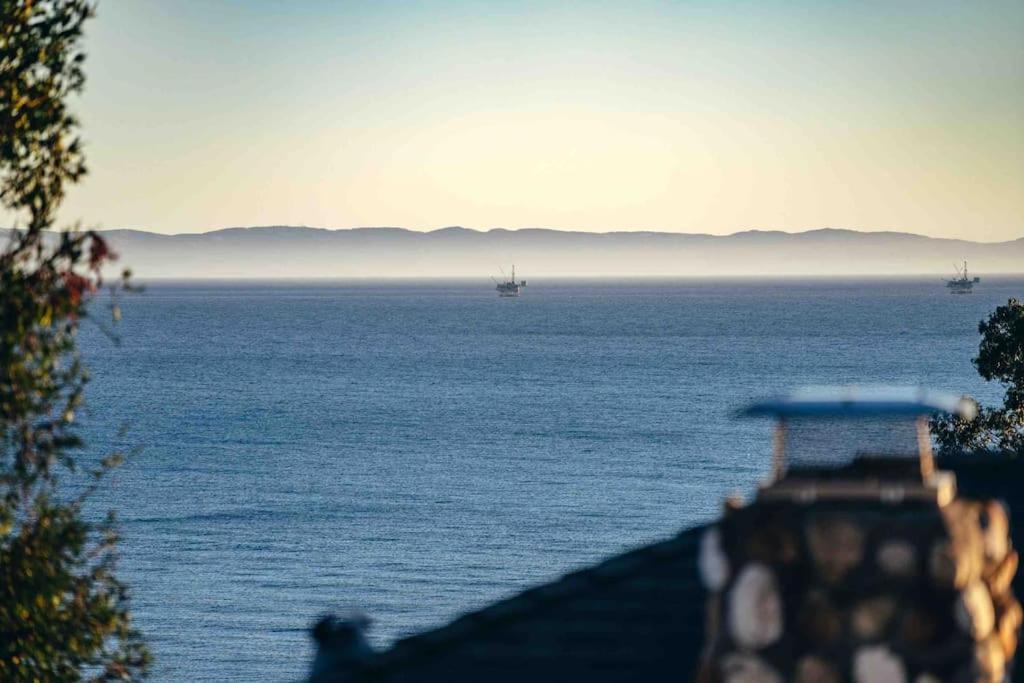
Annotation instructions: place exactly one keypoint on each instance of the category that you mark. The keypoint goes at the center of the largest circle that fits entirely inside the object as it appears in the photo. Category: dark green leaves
(1000, 359)
(64, 616)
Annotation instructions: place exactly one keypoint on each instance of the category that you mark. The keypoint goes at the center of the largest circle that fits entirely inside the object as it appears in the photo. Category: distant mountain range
(301, 252)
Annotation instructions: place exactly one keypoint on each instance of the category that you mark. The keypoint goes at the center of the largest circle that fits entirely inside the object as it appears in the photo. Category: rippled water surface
(418, 449)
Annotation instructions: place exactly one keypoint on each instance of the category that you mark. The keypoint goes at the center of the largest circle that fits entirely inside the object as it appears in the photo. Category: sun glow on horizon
(693, 117)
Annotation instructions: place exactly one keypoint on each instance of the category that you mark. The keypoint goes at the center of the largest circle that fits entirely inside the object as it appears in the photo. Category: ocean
(417, 449)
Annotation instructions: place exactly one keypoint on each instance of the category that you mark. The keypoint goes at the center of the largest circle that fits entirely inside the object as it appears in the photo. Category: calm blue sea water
(416, 450)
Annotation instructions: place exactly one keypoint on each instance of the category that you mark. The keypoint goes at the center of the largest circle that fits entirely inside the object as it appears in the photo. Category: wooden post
(779, 450)
(924, 447)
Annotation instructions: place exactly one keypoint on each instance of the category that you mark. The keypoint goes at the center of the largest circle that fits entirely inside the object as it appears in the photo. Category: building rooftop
(635, 616)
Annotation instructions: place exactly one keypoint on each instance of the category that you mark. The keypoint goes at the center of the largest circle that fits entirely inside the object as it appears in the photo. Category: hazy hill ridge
(282, 251)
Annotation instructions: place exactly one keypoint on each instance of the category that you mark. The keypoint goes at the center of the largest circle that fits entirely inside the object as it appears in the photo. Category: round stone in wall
(755, 608)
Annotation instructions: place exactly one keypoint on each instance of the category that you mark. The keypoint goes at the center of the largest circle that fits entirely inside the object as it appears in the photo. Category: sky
(714, 116)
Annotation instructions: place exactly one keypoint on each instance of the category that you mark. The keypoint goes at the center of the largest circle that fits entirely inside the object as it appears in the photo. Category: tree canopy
(64, 616)
(1000, 359)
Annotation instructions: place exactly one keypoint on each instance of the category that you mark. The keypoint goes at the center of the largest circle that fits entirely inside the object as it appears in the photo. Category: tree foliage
(1000, 359)
(64, 616)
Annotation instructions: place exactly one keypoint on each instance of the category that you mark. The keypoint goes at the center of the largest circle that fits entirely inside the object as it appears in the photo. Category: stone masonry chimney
(857, 561)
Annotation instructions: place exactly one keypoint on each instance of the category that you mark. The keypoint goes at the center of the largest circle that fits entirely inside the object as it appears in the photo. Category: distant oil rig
(509, 287)
(962, 283)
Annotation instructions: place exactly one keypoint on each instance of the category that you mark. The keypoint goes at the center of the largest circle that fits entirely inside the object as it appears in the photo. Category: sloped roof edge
(577, 584)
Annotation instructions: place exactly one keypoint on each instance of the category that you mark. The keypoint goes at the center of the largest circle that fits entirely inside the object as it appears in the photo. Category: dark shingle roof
(635, 616)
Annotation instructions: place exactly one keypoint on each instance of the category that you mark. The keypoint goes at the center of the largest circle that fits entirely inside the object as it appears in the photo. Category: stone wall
(864, 591)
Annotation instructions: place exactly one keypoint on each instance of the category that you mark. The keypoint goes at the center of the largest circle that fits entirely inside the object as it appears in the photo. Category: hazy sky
(707, 116)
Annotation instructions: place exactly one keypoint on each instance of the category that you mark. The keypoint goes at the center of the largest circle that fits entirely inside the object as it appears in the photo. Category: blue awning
(854, 402)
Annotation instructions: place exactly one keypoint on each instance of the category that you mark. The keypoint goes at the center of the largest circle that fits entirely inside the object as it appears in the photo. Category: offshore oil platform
(509, 287)
(962, 283)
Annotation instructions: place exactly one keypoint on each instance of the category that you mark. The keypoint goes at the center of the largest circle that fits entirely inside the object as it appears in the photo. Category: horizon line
(440, 279)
